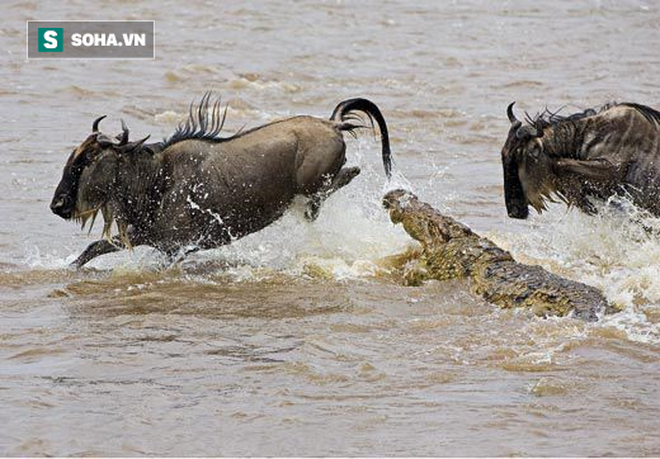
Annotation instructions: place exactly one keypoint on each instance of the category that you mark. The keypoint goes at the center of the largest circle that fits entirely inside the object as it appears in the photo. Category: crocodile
(451, 250)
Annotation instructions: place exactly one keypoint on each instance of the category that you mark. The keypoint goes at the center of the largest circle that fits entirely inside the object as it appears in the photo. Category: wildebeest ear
(132, 146)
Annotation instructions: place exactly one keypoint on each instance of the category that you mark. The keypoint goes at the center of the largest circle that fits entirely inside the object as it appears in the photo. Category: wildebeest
(197, 190)
(594, 154)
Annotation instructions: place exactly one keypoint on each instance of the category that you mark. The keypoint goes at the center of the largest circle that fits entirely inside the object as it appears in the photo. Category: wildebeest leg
(343, 178)
(98, 248)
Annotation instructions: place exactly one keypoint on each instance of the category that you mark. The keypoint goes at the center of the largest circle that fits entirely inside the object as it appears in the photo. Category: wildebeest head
(90, 173)
(527, 169)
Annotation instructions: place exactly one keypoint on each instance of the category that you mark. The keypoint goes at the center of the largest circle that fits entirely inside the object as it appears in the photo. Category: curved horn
(95, 124)
(510, 114)
(124, 134)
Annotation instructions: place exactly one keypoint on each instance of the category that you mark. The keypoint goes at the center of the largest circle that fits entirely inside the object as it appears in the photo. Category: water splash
(36, 258)
(617, 251)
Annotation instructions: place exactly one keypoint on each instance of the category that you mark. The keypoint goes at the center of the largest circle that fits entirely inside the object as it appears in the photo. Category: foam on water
(36, 258)
(345, 241)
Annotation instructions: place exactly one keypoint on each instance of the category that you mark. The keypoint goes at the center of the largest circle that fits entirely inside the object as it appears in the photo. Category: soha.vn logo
(90, 39)
(51, 40)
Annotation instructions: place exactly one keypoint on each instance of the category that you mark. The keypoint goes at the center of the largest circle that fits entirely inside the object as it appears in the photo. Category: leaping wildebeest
(594, 154)
(197, 190)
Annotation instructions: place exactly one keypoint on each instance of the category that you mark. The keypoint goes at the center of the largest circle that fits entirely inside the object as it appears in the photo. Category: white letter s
(50, 39)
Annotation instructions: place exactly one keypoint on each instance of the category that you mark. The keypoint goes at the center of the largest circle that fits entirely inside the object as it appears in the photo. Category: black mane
(198, 125)
(550, 119)
(649, 113)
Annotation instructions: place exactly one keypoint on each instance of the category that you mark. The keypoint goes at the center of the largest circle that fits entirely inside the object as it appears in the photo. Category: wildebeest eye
(534, 151)
(88, 155)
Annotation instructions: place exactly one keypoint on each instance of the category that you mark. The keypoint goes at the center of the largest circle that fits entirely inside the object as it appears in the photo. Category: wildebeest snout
(517, 210)
(62, 205)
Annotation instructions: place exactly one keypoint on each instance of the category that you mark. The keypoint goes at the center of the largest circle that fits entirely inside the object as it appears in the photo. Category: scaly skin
(452, 250)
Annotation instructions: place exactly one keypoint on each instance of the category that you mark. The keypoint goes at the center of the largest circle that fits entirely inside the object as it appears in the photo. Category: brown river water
(296, 340)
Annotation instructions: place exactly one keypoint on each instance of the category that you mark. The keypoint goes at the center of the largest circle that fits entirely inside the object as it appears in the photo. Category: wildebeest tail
(342, 115)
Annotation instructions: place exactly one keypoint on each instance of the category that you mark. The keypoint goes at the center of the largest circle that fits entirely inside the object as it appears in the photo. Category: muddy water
(296, 340)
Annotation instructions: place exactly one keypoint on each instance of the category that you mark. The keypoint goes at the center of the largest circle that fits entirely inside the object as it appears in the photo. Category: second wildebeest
(594, 154)
(197, 190)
